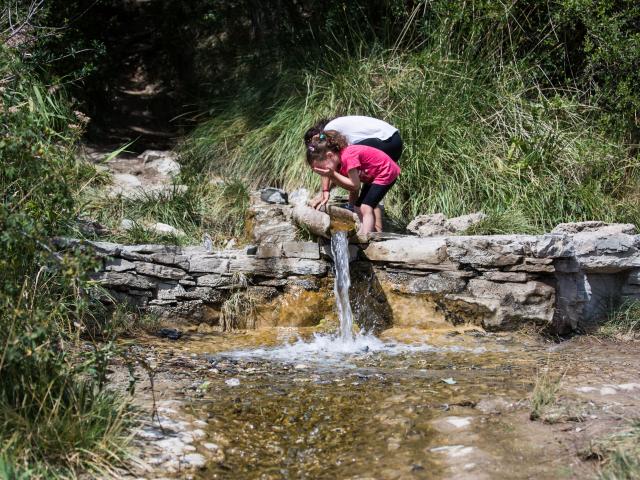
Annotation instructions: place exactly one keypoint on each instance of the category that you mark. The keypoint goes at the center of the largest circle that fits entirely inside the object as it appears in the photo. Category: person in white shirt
(358, 130)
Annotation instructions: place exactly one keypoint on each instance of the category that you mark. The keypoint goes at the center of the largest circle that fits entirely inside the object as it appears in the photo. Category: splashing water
(340, 251)
(336, 349)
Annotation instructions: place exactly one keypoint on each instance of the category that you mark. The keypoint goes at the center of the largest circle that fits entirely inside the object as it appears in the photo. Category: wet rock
(170, 333)
(501, 306)
(315, 221)
(194, 460)
(273, 195)
(495, 405)
(206, 294)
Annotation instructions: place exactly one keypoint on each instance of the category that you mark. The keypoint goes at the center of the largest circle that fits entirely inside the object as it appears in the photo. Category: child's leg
(368, 219)
(368, 202)
(353, 196)
(377, 213)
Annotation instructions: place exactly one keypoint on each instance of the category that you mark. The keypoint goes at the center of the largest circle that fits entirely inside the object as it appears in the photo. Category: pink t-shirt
(375, 165)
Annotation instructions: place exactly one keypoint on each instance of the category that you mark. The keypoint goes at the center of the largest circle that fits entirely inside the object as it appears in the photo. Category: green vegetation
(483, 129)
(544, 393)
(624, 322)
(217, 208)
(239, 311)
(56, 417)
(619, 454)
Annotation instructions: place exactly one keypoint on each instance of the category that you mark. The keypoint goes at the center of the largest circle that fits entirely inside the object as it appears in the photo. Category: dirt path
(140, 98)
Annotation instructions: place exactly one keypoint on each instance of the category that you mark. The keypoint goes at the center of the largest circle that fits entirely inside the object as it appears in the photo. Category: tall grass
(478, 136)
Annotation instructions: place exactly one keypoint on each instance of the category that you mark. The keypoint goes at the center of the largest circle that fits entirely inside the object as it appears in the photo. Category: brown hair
(324, 142)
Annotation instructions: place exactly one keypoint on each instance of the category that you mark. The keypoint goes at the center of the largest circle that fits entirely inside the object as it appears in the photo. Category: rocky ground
(463, 411)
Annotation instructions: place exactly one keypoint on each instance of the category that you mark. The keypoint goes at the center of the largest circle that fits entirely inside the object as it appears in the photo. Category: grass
(239, 311)
(478, 137)
(544, 393)
(218, 209)
(619, 454)
(623, 323)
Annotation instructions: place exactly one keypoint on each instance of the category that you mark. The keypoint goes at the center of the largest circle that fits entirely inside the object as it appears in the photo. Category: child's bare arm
(351, 183)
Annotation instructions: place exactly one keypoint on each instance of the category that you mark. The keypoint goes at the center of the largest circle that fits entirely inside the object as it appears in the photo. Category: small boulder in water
(170, 333)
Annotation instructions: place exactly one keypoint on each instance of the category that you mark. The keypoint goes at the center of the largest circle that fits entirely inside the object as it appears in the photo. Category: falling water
(340, 251)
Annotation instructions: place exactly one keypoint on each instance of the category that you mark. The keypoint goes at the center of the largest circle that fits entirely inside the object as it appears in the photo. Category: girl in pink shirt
(352, 167)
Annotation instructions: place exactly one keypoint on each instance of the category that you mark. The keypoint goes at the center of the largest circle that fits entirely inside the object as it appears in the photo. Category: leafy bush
(56, 418)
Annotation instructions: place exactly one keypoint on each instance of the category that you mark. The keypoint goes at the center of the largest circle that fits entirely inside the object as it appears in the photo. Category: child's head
(324, 149)
(315, 130)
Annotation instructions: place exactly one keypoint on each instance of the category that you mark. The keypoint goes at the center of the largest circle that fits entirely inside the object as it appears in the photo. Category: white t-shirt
(356, 128)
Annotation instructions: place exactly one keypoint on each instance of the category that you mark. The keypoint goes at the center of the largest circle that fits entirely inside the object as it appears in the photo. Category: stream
(298, 403)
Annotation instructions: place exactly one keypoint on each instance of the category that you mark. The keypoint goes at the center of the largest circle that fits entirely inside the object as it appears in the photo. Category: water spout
(340, 251)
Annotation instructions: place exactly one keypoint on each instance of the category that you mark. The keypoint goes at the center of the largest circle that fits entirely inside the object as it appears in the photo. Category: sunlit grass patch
(619, 454)
(215, 208)
(624, 322)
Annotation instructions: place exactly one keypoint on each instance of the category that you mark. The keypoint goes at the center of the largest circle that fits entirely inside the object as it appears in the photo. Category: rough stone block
(595, 226)
(107, 248)
(607, 253)
(551, 246)
(208, 264)
(410, 250)
(534, 265)
(309, 250)
(124, 280)
(487, 251)
(169, 291)
(206, 294)
(496, 276)
(118, 265)
(188, 281)
(634, 277)
(170, 259)
(159, 271)
(269, 250)
(213, 280)
(277, 267)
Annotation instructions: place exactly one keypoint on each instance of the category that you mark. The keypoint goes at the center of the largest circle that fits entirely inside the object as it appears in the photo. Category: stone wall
(565, 280)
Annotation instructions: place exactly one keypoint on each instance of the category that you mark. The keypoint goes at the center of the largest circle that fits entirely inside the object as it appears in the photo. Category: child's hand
(320, 200)
(325, 172)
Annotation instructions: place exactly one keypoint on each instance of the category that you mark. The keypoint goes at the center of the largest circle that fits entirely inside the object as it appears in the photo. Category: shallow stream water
(292, 404)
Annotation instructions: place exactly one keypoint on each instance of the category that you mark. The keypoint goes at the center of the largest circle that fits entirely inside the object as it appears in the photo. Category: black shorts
(392, 146)
(371, 194)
